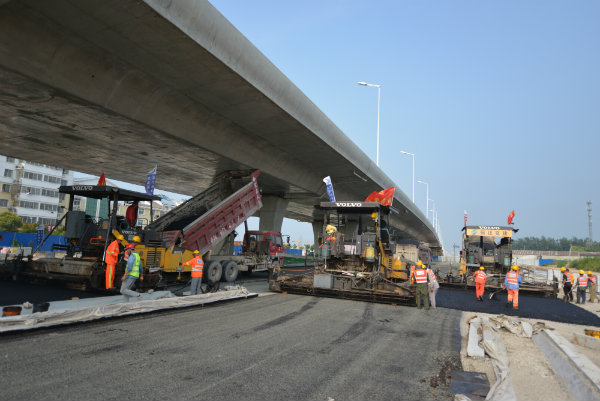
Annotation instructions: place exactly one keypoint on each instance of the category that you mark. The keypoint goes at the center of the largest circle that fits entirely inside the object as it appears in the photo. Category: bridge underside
(123, 85)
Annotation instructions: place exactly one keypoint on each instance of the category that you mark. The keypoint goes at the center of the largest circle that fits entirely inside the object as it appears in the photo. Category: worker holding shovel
(511, 283)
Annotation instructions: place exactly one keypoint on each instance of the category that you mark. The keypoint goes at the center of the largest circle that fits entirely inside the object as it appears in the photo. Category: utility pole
(589, 209)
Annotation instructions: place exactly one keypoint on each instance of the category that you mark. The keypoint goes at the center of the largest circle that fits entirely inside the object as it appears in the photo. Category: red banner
(102, 180)
(385, 197)
(511, 216)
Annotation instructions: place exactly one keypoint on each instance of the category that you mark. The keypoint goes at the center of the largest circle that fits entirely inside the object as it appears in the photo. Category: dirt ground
(530, 371)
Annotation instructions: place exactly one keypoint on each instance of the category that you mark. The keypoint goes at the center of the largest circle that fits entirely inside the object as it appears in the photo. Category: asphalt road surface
(268, 348)
(529, 306)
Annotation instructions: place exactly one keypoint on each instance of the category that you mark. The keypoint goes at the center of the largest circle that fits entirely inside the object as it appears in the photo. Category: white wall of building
(30, 189)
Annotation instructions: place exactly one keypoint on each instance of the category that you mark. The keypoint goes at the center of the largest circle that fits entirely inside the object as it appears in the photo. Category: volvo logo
(348, 204)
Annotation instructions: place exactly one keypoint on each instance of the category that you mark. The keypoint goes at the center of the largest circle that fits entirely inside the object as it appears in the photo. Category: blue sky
(499, 101)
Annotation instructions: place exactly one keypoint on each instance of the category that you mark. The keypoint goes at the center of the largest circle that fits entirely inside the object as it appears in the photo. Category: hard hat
(130, 246)
(419, 263)
(581, 272)
(196, 252)
(136, 239)
(374, 215)
(562, 269)
(515, 267)
(481, 268)
(589, 272)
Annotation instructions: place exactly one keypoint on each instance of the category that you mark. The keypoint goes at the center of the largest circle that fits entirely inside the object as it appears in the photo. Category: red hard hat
(130, 246)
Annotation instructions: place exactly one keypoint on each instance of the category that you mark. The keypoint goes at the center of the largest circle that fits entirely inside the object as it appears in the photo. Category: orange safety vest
(569, 277)
(420, 276)
(582, 281)
(480, 276)
(112, 253)
(593, 279)
(197, 266)
(512, 277)
(412, 271)
(432, 274)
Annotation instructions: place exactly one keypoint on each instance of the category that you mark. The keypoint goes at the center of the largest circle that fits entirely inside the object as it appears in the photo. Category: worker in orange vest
(567, 283)
(511, 283)
(419, 276)
(197, 268)
(111, 258)
(479, 277)
(433, 287)
(592, 284)
(581, 284)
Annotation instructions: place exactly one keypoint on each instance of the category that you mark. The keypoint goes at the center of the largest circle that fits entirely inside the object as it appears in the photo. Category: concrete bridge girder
(173, 84)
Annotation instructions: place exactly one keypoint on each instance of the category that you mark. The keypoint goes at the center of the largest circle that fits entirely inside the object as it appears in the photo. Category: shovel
(495, 292)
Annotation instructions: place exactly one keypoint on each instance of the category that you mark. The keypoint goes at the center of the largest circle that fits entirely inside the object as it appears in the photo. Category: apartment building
(30, 190)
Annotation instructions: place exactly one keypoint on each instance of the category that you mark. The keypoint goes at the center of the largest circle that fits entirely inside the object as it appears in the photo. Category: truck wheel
(213, 272)
(230, 271)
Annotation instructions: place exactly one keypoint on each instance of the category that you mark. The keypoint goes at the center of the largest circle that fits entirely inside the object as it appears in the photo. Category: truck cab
(265, 242)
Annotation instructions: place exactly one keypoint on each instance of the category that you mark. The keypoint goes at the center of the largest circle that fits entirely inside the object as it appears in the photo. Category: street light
(413, 164)
(427, 205)
(378, 109)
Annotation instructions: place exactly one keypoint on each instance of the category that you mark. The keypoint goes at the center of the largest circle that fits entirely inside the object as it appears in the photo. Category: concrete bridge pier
(272, 213)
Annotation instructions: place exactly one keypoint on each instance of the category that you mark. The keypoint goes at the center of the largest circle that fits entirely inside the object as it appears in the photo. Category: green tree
(10, 222)
(28, 228)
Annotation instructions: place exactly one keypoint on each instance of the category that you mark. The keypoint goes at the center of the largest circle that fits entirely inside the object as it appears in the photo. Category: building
(30, 190)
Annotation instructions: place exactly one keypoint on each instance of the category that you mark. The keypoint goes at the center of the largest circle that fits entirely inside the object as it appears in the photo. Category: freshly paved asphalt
(271, 347)
(529, 306)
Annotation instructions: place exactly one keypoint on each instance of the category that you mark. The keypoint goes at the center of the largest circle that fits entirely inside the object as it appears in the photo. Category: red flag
(511, 217)
(465, 218)
(385, 197)
(102, 180)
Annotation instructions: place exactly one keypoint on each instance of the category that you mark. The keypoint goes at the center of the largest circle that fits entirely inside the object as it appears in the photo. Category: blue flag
(327, 181)
(150, 181)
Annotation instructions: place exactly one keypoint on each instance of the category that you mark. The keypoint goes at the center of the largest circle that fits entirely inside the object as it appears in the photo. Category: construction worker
(567, 282)
(592, 284)
(479, 277)
(419, 277)
(433, 286)
(581, 284)
(133, 272)
(511, 283)
(111, 258)
(197, 268)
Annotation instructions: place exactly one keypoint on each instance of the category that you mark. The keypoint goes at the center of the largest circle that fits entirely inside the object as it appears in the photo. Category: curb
(579, 375)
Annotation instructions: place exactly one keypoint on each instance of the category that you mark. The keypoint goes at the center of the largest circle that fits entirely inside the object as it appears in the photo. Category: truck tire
(213, 272)
(230, 271)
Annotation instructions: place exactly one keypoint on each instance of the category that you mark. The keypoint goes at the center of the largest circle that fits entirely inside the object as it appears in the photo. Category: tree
(10, 222)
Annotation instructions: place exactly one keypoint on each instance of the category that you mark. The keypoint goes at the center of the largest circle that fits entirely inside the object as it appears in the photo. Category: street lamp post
(413, 168)
(378, 110)
(427, 204)
(433, 213)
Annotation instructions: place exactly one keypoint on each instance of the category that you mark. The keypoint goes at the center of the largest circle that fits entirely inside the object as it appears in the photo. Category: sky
(498, 100)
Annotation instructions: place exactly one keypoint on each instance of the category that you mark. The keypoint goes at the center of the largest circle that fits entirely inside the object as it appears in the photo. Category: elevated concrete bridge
(122, 85)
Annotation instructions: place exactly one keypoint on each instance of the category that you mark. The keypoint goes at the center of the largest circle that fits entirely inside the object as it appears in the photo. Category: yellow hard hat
(419, 263)
(481, 268)
(374, 215)
(136, 239)
(562, 269)
(196, 252)
(515, 267)
(581, 272)
(589, 273)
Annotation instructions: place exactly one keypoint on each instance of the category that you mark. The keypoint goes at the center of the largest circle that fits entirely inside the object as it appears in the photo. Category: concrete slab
(579, 374)
(586, 341)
